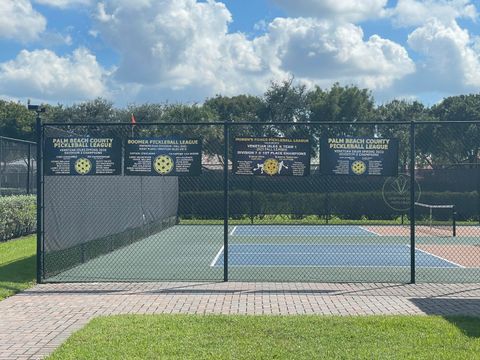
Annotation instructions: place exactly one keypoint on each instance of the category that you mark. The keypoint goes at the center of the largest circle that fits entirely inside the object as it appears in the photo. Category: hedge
(17, 216)
(351, 206)
(12, 191)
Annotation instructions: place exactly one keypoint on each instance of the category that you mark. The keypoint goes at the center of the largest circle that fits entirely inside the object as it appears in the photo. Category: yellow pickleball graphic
(270, 166)
(163, 164)
(83, 166)
(359, 167)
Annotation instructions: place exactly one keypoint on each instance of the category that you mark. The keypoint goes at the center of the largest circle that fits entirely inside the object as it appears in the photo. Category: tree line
(288, 103)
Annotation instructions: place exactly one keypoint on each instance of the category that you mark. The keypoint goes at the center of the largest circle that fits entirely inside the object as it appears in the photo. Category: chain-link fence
(17, 166)
(448, 174)
(127, 203)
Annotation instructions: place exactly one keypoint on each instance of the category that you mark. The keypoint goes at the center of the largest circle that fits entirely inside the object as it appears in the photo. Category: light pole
(38, 127)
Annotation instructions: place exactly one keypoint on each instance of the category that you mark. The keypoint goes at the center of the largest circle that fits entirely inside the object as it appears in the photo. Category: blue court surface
(319, 255)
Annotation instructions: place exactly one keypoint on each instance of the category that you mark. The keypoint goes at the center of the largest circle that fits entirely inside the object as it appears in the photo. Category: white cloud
(183, 46)
(345, 10)
(19, 21)
(183, 50)
(318, 50)
(450, 59)
(418, 12)
(42, 74)
(63, 3)
(177, 44)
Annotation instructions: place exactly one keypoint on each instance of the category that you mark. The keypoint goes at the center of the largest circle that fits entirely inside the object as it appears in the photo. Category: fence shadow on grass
(468, 325)
(16, 275)
(456, 311)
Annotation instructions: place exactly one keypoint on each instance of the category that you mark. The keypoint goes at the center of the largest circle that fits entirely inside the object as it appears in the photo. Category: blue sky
(67, 51)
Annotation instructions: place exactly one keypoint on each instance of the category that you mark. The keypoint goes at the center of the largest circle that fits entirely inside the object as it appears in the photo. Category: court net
(437, 220)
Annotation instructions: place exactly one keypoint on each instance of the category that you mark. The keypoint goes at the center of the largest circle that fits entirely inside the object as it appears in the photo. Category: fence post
(478, 192)
(29, 160)
(327, 199)
(326, 178)
(412, 203)
(454, 218)
(226, 135)
(1, 168)
(38, 128)
(251, 200)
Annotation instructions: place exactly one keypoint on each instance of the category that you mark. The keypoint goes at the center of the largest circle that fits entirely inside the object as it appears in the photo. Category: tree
(239, 108)
(94, 111)
(16, 121)
(144, 113)
(341, 104)
(212, 136)
(401, 111)
(285, 102)
(454, 143)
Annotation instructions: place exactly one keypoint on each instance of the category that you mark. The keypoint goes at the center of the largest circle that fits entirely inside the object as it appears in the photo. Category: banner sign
(82, 156)
(169, 156)
(271, 157)
(359, 156)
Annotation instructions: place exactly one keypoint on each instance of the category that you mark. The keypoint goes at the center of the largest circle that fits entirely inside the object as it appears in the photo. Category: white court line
(215, 259)
(340, 266)
(438, 257)
(314, 253)
(233, 230)
(314, 244)
(370, 231)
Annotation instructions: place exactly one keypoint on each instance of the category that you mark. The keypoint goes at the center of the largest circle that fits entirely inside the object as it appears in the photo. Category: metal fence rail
(17, 166)
(219, 225)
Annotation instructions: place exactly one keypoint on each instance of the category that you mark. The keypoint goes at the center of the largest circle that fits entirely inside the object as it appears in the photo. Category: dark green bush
(349, 206)
(17, 216)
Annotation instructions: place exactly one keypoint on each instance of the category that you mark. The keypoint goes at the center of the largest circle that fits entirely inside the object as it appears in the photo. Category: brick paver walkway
(35, 322)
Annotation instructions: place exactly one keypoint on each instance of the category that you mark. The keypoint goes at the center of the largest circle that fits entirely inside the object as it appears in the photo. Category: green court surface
(281, 253)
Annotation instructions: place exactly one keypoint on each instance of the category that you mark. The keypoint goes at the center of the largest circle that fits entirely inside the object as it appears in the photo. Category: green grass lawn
(274, 337)
(17, 265)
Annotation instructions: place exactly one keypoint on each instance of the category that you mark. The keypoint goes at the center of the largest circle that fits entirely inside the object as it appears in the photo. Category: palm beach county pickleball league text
(82, 142)
(82, 156)
(358, 144)
(359, 156)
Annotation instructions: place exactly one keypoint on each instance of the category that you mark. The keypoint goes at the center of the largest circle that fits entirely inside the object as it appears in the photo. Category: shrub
(344, 205)
(17, 216)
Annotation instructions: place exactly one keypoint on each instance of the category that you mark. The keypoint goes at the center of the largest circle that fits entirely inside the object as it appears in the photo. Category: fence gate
(329, 202)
